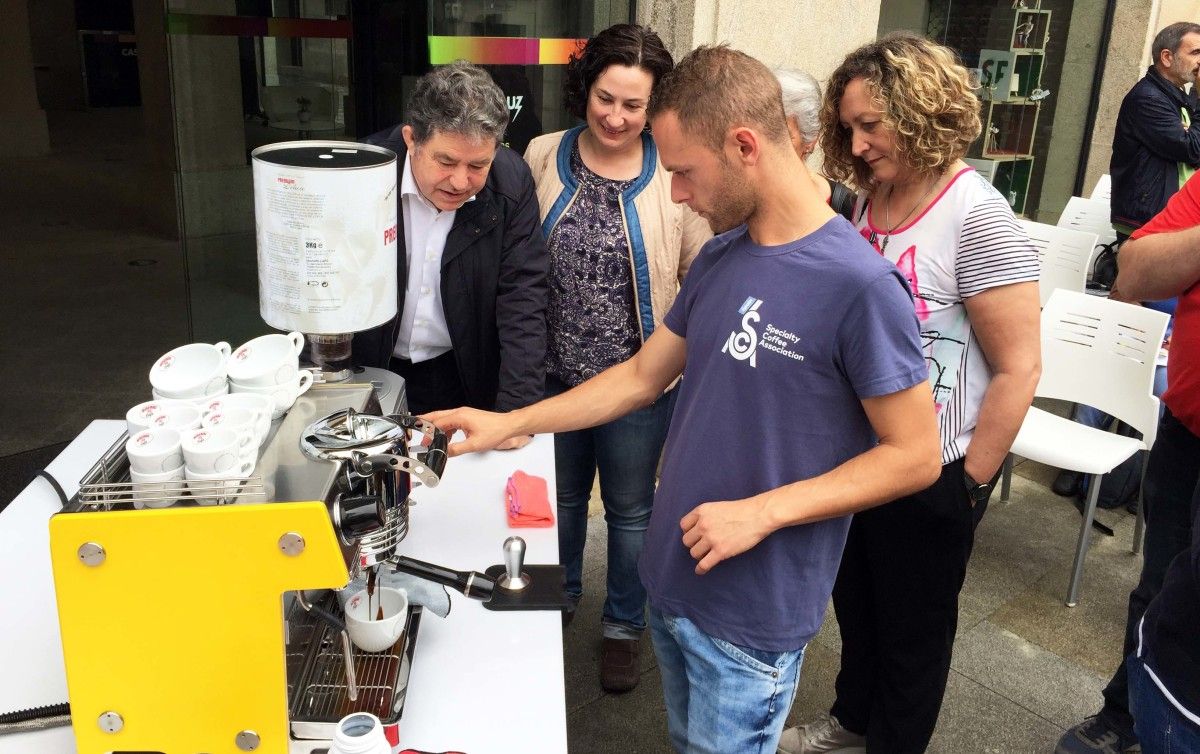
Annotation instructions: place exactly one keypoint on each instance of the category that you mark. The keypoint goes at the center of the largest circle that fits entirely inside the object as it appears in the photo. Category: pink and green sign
(502, 50)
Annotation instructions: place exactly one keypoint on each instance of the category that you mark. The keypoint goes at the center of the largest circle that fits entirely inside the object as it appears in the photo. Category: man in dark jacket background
(1154, 134)
(471, 326)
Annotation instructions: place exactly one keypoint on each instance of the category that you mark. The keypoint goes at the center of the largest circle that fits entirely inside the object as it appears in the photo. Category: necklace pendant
(883, 246)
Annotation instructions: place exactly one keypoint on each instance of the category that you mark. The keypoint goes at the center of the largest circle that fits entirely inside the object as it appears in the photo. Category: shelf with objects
(1009, 75)
(1019, 28)
(1008, 130)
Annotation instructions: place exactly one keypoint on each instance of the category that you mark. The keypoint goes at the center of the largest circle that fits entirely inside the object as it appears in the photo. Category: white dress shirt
(423, 330)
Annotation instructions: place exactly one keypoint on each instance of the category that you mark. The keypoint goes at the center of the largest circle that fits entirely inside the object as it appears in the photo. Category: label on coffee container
(327, 241)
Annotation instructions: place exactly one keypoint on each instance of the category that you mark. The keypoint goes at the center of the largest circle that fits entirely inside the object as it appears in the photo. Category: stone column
(210, 132)
(1134, 27)
(1070, 103)
(806, 34)
(58, 67)
(23, 129)
(160, 202)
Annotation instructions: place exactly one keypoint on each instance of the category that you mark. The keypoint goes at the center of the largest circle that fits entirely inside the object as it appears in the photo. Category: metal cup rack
(107, 486)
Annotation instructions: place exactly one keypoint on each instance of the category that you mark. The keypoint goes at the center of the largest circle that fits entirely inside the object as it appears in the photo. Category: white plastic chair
(1065, 256)
(1089, 216)
(1103, 189)
(1100, 353)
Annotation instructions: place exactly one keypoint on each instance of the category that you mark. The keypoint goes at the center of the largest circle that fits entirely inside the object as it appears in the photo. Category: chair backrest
(1103, 189)
(1089, 216)
(1065, 256)
(1103, 354)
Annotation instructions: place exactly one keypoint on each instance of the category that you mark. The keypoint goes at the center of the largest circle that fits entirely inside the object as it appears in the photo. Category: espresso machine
(206, 628)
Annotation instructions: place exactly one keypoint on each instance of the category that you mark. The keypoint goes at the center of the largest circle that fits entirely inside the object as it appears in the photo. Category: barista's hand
(484, 430)
(513, 443)
(713, 532)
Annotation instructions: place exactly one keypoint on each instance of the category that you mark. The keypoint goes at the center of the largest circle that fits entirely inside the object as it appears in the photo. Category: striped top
(965, 242)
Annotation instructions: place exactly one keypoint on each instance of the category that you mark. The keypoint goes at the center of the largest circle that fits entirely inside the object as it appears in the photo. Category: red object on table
(527, 501)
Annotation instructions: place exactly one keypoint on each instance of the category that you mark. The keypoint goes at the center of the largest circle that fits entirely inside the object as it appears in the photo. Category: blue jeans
(721, 697)
(626, 451)
(1161, 727)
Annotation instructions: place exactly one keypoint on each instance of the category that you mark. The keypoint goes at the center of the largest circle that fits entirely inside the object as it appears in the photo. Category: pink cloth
(528, 501)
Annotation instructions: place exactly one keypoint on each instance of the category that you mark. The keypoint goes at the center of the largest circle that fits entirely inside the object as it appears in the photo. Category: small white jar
(360, 733)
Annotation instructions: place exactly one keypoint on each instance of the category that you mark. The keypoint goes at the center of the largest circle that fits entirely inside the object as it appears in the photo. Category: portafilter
(377, 475)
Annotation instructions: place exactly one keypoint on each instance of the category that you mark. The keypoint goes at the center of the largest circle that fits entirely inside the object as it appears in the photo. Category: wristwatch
(976, 491)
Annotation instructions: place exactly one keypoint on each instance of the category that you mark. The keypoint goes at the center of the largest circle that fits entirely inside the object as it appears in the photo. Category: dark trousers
(896, 599)
(431, 385)
(1170, 496)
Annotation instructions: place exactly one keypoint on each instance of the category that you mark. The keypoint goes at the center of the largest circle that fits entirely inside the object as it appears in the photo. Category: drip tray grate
(321, 695)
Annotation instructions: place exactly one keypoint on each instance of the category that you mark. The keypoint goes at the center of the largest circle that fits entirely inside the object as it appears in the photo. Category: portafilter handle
(471, 583)
(428, 464)
(434, 456)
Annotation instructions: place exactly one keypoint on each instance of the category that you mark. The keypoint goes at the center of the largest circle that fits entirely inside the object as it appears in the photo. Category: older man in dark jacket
(472, 265)
(1154, 134)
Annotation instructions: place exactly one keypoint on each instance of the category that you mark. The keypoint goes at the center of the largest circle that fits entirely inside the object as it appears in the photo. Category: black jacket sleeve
(1158, 125)
(522, 292)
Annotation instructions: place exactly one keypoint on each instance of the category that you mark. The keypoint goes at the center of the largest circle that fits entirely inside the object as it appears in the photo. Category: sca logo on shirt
(741, 345)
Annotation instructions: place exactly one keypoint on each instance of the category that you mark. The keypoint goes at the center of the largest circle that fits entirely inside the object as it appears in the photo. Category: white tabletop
(482, 681)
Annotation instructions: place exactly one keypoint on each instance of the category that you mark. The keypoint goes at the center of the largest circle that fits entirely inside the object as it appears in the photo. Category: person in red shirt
(1161, 260)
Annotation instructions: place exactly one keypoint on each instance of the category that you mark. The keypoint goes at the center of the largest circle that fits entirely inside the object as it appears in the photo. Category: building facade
(211, 80)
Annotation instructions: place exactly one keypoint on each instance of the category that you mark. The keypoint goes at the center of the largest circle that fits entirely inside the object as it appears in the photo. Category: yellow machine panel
(172, 622)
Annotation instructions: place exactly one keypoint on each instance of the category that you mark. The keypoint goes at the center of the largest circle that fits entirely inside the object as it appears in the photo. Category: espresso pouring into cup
(366, 630)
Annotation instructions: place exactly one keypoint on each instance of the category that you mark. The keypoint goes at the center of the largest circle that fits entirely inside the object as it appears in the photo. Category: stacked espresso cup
(198, 434)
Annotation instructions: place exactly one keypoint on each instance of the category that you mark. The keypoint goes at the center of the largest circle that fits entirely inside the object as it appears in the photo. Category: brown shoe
(619, 664)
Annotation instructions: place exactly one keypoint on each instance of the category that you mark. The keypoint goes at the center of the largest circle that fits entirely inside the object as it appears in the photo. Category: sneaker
(1094, 736)
(823, 736)
(1067, 483)
(619, 664)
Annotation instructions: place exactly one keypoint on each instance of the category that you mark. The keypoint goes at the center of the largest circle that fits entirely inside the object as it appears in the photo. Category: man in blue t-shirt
(805, 398)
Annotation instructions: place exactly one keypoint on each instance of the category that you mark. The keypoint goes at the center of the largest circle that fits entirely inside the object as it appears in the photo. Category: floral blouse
(590, 317)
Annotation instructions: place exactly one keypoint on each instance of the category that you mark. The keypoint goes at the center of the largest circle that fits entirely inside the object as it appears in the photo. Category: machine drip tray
(319, 696)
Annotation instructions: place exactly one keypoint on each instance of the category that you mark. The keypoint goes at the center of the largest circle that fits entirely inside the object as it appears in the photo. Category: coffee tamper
(526, 587)
(514, 579)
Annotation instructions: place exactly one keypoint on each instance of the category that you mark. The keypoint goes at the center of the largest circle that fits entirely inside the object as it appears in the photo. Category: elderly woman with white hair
(802, 105)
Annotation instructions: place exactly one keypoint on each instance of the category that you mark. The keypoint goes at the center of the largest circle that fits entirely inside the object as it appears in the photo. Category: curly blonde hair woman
(897, 118)
(927, 104)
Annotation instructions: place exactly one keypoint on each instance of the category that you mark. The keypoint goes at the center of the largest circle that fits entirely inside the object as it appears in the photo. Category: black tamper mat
(546, 589)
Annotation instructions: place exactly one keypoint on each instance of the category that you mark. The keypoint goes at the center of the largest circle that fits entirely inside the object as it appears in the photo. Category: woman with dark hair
(618, 249)
(897, 119)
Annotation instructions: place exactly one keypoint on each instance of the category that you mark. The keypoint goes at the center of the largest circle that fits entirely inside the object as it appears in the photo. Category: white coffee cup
(216, 450)
(155, 450)
(138, 417)
(237, 419)
(262, 406)
(267, 360)
(190, 371)
(165, 485)
(178, 415)
(196, 396)
(376, 635)
(284, 395)
(216, 488)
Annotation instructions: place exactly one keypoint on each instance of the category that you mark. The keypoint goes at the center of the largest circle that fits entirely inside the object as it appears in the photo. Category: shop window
(1031, 103)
